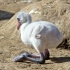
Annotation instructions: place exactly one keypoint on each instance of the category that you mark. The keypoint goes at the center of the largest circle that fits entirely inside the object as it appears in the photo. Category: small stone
(1, 37)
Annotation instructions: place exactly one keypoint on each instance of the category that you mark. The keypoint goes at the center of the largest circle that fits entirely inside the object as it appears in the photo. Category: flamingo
(42, 35)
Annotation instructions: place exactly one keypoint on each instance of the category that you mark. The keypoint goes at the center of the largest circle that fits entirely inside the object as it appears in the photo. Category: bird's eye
(18, 19)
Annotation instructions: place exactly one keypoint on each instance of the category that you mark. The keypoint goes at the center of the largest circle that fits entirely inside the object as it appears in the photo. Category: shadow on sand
(60, 59)
(5, 15)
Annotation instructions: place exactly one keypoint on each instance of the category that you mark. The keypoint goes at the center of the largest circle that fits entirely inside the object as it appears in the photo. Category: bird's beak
(18, 25)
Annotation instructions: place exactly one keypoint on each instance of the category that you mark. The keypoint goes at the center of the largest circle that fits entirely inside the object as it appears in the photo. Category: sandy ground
(11, 45)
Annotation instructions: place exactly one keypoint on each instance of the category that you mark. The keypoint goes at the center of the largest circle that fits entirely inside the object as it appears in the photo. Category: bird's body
(40, 34)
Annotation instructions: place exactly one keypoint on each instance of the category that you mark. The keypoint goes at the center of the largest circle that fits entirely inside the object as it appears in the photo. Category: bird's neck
(25, 24)
(29, 19)
(23, 27)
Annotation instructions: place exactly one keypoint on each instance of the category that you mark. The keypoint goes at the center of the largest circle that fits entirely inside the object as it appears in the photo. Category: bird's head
(21, 18)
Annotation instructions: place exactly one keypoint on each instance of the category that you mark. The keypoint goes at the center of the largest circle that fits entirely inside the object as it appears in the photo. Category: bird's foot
(21, 57)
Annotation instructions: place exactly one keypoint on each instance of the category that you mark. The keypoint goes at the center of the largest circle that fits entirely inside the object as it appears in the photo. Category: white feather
(40, 34)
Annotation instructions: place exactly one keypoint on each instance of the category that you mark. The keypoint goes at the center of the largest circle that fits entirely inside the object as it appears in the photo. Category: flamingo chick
(40, 34)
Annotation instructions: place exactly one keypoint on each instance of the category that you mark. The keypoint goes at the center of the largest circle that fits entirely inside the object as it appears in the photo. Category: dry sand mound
(55, 11)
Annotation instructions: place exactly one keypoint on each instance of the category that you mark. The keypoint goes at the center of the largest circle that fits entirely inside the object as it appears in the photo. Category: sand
(55, 11)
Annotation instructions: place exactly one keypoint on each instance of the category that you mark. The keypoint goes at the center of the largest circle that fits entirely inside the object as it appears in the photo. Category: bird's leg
(40, 59)
(35, 56)
(47, 54)
(21, 57)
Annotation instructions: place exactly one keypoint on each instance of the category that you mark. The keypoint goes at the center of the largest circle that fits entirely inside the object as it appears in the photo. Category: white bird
(40, 34)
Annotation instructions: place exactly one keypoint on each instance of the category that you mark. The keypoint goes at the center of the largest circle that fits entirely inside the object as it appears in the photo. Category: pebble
(1, 37)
